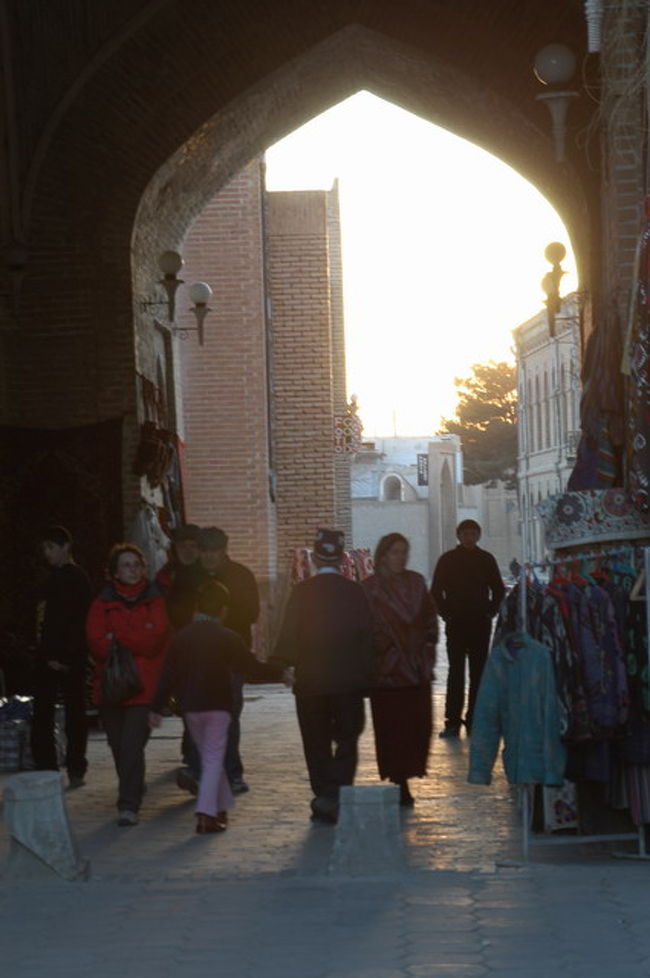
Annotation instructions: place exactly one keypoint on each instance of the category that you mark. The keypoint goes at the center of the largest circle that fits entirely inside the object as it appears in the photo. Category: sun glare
(443, 253)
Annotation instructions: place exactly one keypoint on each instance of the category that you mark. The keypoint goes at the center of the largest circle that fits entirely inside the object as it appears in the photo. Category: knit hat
(328, 545)
(186, 531)
(212, 538)
(56, 534)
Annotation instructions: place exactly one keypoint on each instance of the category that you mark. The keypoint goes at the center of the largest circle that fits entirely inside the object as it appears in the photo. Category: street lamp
(554, 253)
(170, 264)
(200, 293)
(555, 65)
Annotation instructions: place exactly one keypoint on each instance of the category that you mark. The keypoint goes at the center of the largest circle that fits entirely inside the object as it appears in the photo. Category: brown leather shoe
(205, 824)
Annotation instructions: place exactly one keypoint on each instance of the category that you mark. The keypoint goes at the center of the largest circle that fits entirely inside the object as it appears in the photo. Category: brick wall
(298, 263)
(339, 385)
(624, 72)
(224, 382)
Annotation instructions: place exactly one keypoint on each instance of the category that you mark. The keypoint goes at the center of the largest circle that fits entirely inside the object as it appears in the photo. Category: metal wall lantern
(554, 253)
(555, 65)
(170, 264)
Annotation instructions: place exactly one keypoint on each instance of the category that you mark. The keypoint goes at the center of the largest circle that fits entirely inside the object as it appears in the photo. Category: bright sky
(443, 253)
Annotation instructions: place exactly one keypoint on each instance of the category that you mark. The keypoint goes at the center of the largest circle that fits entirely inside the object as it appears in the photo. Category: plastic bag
(120, 679)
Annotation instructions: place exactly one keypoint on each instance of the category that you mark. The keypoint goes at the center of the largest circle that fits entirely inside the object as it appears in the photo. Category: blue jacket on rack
(517, 701)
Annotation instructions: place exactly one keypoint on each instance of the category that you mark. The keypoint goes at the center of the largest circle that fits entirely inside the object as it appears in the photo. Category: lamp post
(170, 264)
(554, 253)
(555, 65)
(200, 293)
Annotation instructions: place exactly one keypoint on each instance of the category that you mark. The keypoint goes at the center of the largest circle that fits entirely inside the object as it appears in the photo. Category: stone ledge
(37, 821)
(368, 839)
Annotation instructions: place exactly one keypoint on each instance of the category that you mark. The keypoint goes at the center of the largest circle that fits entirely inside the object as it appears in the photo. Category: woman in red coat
(130, 610)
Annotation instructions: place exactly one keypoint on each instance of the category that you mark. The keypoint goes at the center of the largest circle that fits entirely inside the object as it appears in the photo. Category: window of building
(563, 403)
(547, 413)
(391, 489)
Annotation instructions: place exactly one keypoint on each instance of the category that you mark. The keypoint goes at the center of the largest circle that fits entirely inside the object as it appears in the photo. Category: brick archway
(131, 106)
(155, 105)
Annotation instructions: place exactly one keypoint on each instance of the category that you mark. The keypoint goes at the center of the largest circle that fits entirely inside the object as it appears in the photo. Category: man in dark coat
(327, 636)
(180, 578)
(243, 612)
(467, 589)
(61, 658)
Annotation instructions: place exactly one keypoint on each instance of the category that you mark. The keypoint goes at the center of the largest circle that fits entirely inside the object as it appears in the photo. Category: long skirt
(402, 719)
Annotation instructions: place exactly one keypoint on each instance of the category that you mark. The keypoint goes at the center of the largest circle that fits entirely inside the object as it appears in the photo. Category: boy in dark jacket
(61, 659)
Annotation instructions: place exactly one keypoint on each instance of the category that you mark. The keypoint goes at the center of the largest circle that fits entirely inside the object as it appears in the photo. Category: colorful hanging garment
(638, 365)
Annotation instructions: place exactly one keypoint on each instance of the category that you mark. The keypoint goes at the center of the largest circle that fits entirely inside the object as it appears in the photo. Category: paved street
(258, 900)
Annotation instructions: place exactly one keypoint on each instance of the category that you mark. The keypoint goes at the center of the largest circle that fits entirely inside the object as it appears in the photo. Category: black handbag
(120, 679)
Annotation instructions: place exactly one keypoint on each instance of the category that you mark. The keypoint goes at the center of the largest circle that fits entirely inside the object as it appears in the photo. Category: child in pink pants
(197, 673)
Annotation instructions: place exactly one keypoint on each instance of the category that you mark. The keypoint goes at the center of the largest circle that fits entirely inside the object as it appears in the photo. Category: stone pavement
(258, 900)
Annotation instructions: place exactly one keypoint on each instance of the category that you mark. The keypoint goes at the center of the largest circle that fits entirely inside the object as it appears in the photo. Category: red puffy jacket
(141, 625)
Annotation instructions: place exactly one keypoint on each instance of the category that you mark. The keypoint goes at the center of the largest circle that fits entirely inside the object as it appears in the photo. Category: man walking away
(61, 658)
(467, 589)
(327, 636)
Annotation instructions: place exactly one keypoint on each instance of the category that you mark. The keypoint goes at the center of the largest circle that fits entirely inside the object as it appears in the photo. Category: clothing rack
(525, 790)
(527, 566)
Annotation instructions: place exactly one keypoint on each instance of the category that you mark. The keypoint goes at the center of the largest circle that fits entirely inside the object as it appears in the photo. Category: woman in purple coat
(405, 636)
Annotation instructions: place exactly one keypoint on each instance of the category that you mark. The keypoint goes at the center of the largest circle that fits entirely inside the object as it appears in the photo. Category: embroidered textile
(591, 516)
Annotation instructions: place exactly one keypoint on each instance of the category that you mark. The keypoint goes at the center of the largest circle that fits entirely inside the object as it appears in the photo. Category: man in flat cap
(326, 635)
(243, 611)
(181, 576)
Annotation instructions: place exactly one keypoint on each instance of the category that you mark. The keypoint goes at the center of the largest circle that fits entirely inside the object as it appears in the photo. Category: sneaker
(450, 731)
(186, 781)
(239, 787)
(127, 818)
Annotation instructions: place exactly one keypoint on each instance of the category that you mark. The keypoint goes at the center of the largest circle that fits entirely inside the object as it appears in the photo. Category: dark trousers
(232, 762)
(330, 727)
(52, 686)
(466, 640)
(190, 752)
(127, 731)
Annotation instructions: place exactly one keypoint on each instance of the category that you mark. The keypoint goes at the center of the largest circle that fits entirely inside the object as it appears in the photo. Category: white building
(414, 486)
(548, 382)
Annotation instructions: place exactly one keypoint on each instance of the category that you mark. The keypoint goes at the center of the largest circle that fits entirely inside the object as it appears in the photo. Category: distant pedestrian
(467, 589)
(61, 658)
(326, 635)
(130, 611)
(197, 673)
(405, 636)
(243, 612)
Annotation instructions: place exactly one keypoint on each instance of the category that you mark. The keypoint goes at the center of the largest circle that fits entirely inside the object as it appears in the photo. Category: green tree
(486, 421)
